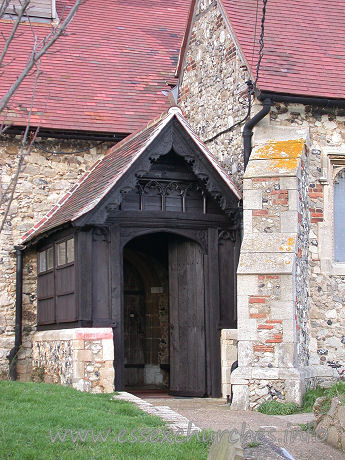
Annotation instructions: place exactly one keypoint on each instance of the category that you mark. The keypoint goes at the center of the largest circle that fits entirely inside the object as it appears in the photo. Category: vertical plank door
(187, 319)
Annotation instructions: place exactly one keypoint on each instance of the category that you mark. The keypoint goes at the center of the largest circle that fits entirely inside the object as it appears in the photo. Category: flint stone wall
(81, 358)
(326, 292)
(211, 81)
(212, 89)
(43, 180)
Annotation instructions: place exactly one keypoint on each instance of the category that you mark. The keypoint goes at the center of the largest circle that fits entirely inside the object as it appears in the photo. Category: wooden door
(134, 326)
(187, 319)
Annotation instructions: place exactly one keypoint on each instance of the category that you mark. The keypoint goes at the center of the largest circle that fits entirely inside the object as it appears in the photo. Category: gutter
(248, 129)
(12, 356)
(267, 100)
(322, 102)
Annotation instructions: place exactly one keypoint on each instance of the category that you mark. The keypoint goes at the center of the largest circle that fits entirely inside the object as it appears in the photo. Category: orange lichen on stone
(288, 246)
(284, 154)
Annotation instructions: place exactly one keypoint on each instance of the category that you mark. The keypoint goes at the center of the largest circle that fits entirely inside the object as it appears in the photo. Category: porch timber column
(213, 352)
(117, 306)
(272, 275)
(84, 277)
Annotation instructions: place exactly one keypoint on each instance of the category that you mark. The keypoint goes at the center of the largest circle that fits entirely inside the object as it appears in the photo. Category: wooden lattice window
(56, 283)
(46, 260)
(65, 252)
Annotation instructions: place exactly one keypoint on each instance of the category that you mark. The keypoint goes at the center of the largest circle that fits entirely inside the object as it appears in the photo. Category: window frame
(333, 162)
(338, 171)
(45, 250)
(52, 322)
(56, 257)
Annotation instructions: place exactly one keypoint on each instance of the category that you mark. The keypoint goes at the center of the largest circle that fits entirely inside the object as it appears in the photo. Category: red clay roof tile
(304, 44)
(107, 74)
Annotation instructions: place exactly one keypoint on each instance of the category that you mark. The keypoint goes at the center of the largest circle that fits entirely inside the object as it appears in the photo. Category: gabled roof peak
(90, 190)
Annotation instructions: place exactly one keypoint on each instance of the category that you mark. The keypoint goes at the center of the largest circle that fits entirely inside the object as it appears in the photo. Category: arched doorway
(164, 314)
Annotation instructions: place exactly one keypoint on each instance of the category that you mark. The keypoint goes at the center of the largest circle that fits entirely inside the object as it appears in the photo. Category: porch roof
(85, 195)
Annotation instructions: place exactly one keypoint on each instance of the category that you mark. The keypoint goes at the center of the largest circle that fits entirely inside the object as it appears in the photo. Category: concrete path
(176, 422)
(283, 436)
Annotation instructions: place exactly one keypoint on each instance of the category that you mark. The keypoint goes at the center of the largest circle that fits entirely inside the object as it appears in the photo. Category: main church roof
(107, 73)
(304, 44)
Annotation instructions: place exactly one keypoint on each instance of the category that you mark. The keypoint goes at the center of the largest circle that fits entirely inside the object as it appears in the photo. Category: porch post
(116, 296)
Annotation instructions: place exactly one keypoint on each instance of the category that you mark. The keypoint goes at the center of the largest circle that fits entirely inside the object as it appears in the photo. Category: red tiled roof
(304, 44)
(103, 176)
(107, 74)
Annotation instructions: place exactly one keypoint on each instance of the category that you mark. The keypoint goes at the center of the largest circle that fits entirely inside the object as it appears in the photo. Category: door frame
(207, 237)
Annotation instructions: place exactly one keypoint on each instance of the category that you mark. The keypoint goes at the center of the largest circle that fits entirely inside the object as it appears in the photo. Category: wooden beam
(116, 301)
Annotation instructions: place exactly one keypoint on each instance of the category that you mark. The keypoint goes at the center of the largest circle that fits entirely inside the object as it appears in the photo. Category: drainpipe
(248, 129)
(12, 357)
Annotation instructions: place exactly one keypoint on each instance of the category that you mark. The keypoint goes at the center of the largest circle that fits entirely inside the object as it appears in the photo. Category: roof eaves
(161, 122)
(185, 39)
(35, 229)
(107, 189)
(234, 37)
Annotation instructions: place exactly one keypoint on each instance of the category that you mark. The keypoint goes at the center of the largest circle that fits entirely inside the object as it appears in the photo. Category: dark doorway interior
(146, 312)
(164, 311)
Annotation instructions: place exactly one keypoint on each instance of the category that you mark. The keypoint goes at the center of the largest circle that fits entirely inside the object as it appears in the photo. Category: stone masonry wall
(44, 179)
(326, 279)
(228, 347)
(276, 327)
(212, 89)
(272, 272)
(212, 96)
(331, 423)
(82, 358)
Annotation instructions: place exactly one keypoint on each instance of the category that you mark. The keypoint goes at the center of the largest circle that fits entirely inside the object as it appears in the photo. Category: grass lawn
(32, 414)
(311, 395)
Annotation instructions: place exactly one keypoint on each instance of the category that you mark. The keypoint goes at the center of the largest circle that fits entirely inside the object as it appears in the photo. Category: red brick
(277, 338)
(257, 300)
(265, 326)
(274, 321)
(260, 212)
(263, 348)
(315, 220)
(279, 192)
